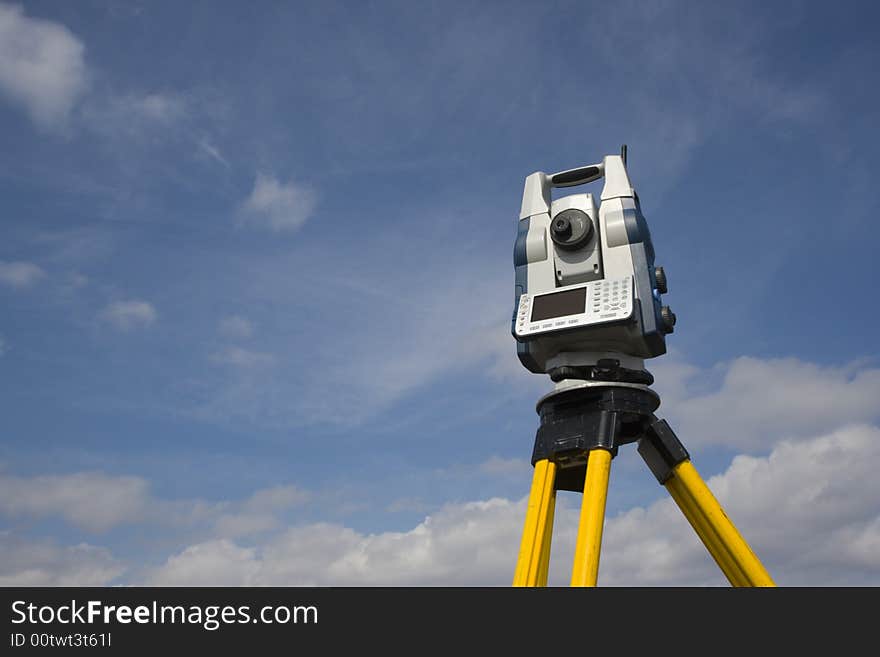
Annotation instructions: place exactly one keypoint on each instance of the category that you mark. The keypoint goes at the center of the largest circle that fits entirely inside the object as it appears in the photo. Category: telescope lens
(571, 229)
(562, 227)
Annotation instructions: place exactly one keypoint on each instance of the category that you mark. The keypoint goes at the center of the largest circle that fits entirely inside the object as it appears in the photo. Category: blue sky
(256, 282)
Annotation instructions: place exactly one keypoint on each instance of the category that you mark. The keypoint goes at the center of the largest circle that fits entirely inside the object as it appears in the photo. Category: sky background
(256, 281)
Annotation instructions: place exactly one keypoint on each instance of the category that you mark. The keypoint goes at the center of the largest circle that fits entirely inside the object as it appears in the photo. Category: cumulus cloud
(462, 544)
(44, 563)
(127, 315)
(20, 274)
(214, 563)
(761, 402)
(42, 67)
(260, 512)
(236, 326)
(279, 206)
(811, 511)
(96, 502)
(93, 501)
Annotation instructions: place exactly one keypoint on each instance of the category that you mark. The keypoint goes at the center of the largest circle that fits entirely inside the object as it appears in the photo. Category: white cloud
(96, 502)
(43, 563)
(215, 563)
(279, 206)
(760, 402)
(126, 315)
(159, 107)
(236, 326)
(42, 67)
(462, 544)
(260, 512)
(811, 511)
(93, 501)
(20, 274)
(243, 358)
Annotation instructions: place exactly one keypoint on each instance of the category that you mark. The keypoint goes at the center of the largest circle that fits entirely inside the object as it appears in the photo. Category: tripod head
(588, 295)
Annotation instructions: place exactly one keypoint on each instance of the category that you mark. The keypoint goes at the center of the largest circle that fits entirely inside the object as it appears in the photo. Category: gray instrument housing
(620, 245)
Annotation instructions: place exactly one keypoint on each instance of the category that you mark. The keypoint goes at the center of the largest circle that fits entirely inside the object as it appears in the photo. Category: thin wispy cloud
(241, 358)
(160, 107)
(128, 315)
(212, 151)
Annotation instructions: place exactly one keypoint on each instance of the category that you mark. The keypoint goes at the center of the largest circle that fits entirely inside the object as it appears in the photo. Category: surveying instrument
(588, 312)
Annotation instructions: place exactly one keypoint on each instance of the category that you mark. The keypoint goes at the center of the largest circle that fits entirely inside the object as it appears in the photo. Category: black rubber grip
(576, 176)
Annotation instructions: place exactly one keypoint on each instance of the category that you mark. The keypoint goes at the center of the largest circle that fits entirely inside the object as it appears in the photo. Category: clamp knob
(660, 277)
(668, 318)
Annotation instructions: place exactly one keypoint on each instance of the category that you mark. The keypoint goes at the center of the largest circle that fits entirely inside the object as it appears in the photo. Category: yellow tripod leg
(538, 527)
(544, 565)
(719, 534)
(589, 540)
(706, 534)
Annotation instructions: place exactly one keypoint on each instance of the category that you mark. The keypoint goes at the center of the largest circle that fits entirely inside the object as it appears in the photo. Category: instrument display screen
(559, 304)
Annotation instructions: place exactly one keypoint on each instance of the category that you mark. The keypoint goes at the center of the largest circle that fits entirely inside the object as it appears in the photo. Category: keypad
(606, 301)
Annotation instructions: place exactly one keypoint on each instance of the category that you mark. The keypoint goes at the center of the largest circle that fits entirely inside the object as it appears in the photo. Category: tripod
(582, 426)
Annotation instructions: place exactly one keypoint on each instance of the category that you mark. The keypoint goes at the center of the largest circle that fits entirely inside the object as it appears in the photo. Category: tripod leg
(544, 565)
(671, 464)
(725, 543)
(706, 534)
(538, 527)
(589, 540)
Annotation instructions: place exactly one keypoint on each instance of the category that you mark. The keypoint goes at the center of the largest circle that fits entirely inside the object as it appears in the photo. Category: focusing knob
(571, 229)
(660, 277)
(668, 318)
